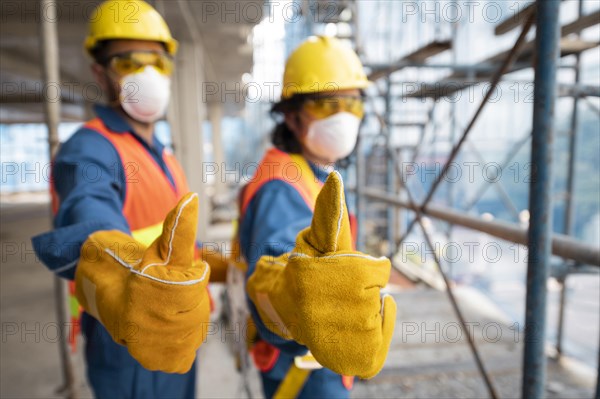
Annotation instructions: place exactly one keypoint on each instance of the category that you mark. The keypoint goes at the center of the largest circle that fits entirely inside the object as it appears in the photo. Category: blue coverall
(273, 219)
(90, 182)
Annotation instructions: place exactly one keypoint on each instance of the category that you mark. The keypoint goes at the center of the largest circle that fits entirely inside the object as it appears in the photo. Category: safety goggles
(323, 107)
(132, 61)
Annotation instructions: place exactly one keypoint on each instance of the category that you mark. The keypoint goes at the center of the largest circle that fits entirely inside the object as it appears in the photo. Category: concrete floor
(423, 364)
(430, 358)
(29, 356)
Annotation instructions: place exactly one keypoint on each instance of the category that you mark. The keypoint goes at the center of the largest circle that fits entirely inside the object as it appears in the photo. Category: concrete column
(215, 115)
(186, 114)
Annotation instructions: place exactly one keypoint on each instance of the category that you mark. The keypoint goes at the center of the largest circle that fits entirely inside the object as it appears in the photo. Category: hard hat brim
(91, 42)
(292, 90)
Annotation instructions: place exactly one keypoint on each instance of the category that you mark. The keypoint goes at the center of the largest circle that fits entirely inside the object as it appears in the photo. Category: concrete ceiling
(220, 28)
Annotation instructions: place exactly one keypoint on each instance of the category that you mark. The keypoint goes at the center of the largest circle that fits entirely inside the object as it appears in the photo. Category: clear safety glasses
(323, 107)
(131, 62)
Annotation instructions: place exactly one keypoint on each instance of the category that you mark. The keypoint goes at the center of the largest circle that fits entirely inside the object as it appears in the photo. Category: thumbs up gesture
(326, 296)
(152, 300)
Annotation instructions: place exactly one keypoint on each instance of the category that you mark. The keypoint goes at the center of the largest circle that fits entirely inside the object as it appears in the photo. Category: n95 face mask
(333, 138)
(145, 94)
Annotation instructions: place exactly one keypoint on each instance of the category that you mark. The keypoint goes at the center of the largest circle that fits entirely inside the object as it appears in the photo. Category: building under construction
(476, 172)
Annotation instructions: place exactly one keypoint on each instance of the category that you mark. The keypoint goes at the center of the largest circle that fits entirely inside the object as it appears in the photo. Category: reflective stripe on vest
(147, 235)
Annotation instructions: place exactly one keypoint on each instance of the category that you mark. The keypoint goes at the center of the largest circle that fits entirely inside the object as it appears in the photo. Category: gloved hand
(152, 300)
(326, 296)
(218, 262)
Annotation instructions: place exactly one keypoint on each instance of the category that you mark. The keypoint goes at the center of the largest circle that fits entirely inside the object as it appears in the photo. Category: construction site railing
(562, 245)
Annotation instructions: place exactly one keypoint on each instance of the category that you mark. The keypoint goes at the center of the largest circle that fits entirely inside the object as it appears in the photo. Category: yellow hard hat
(131, 19)
(320, 64)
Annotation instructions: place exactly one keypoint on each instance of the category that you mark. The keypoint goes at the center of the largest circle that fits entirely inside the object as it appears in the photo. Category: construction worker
(124, 223)
(308, 288)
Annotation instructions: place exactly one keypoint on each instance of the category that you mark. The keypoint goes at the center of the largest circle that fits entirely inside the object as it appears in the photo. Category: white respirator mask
(145, 94)
(333, 138)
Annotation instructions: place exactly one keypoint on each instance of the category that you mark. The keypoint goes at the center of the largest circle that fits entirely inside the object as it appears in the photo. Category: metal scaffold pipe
(540, 198)
(562, 245)
(504, 68)
(50, 70)
(570, 193)
(50, 75)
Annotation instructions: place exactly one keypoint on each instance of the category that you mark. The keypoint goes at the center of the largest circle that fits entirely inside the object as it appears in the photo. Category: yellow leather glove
(217, 261)
(326, 296)
(152, 300)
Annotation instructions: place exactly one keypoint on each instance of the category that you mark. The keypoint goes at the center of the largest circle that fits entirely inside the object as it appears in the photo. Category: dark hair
(283, 138)
(100, 52)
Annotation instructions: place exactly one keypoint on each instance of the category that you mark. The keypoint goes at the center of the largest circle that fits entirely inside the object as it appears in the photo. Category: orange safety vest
(149, 195)
(290, 168)
(294, 170)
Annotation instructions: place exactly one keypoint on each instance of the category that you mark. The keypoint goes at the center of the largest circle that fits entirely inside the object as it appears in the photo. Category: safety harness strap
(292, 384)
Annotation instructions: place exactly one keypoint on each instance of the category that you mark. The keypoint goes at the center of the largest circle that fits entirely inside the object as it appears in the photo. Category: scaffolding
(388, 209)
